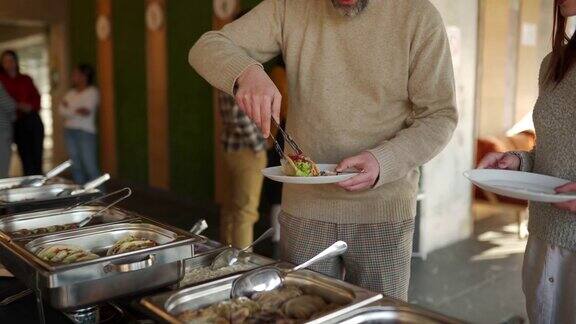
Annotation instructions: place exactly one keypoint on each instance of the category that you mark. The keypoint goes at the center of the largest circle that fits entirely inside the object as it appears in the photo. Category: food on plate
(131, 243)
(65, 254)
(288, 304)
(43, 230)
(299, 166)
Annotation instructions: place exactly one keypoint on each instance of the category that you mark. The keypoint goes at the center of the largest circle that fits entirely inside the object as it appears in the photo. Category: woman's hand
(569, 205)
(258, 97)
(505, 161)
(369, 167)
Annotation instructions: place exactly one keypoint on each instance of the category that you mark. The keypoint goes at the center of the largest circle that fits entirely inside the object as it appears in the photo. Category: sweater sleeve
(220, 57)
(434, 117)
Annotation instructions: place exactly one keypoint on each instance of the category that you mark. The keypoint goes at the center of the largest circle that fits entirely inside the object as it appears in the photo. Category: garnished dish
(43, 230)
(131, 243)
(65, 254)
(299, 166)
(284, 305)
(197, 275)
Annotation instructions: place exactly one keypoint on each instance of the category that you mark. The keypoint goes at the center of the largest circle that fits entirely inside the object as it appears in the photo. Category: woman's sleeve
(526, 160)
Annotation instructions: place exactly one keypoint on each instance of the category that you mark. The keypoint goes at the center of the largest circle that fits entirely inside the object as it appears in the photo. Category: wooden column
(218, 21)
(156, 65)
(106, 83)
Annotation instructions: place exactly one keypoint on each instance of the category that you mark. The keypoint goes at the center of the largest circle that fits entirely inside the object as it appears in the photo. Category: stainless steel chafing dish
(59, 216)
(35, 198)
(198, 268)
(388, 310)
(85, 283)
(8, 183)
(168, 305)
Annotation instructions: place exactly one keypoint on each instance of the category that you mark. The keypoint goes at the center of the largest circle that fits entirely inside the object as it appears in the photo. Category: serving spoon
(270, 278)
(87, 187)
(229, 256)
(38, 182)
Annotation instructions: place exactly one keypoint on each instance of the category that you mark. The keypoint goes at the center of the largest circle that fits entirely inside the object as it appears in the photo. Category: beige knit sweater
(381, 81)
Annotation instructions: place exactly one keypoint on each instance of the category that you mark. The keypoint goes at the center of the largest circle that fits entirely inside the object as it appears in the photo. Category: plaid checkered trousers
(239, 131)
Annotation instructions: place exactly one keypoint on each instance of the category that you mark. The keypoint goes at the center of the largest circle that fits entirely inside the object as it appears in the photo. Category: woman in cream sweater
(550, 258)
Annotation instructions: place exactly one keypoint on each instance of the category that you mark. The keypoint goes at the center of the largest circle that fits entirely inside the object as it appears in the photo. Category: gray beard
(350, 11)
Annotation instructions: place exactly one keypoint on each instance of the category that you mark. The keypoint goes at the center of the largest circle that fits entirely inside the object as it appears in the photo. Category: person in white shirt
(78, 108)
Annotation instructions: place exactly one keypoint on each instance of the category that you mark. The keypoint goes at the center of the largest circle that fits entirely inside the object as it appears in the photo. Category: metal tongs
(287, 139)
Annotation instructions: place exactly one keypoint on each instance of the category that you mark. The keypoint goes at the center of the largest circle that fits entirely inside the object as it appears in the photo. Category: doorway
(30, 42)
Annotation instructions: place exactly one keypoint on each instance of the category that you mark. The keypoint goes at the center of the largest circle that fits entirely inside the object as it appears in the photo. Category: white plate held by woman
(520, 185)
(276, 174)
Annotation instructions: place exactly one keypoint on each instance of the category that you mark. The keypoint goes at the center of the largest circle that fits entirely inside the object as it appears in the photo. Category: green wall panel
(247, 4)
(82, 34)
(128, 32)
(190, 101)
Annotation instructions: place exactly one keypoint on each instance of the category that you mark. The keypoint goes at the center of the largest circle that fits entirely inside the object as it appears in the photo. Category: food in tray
(131, 243)
(43, 230)
(65, 254)
(288, 304)
(197, 275)
(299, 166)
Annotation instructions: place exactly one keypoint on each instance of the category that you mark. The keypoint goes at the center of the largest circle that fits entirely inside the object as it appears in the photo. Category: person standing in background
(244, 157)
(28, 128)
(7, 116)
(78, 108)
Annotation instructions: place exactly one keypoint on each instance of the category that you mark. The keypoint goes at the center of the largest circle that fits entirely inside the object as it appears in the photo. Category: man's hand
(369, 167)
(83, 111)
(258, 97)
(505, 161)
(569, 205)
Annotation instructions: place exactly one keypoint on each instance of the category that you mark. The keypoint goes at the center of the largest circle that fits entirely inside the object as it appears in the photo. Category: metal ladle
(270, 278)
(37, 182)
(230, 255)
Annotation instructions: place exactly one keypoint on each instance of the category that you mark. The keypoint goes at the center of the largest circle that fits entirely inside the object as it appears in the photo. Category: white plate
(276, 174)
(520, 185)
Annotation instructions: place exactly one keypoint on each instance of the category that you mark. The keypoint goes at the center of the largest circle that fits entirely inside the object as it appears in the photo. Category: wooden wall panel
(158, 148)
(106, 82)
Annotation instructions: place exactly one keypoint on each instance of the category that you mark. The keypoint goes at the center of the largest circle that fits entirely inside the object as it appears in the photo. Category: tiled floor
(477, 280)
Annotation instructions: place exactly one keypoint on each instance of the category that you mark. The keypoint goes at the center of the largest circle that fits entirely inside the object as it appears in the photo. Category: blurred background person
(244, 158)
(28, 128)
(7, 116)
(78, 108)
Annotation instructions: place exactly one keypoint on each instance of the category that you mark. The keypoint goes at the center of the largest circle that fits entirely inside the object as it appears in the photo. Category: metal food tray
(393, 311)
(60, 216)
(35, 198)
(205, 260)
(8, 183)
(167, 306)
(75, 285)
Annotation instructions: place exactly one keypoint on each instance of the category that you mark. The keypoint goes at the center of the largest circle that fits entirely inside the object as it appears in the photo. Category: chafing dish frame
(164, 306)
(12, 223)
(53, 201)
(77, 285)
(391, 305)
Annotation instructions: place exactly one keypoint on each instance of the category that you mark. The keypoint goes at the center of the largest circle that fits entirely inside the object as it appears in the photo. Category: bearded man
(370, 87)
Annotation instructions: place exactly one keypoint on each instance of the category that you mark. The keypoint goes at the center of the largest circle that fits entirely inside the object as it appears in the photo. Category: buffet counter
(96, 263)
